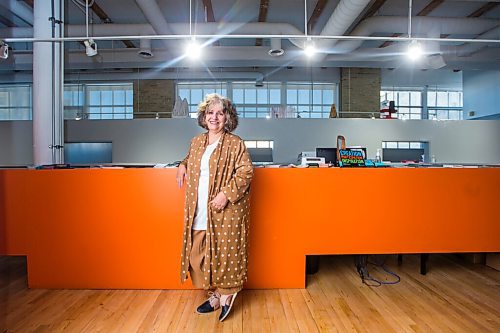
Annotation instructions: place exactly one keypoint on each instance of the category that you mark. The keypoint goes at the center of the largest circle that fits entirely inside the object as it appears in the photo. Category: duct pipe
(421, 25)
(470, 48)
(344, 15)
(20, 9)
(159, 75)
(154, 15)
(276, 49)
(208, 28)
(377, 24)
(145, 48)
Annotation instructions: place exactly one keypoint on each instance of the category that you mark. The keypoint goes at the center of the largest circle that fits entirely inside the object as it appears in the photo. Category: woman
(218, 172)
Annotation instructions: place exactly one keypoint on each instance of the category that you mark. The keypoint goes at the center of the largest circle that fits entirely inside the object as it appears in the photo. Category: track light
(90, 47)
(414, 50)
(193, 49)
(4, 50)
(309, 49)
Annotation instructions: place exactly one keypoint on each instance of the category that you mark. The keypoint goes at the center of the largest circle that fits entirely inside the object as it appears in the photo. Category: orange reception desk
(122, 228)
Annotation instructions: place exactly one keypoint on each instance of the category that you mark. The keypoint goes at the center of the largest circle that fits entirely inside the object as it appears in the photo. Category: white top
(201, 217)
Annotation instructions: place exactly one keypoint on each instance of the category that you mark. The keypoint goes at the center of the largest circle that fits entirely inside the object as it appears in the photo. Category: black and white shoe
(211, 304)
(226, 305)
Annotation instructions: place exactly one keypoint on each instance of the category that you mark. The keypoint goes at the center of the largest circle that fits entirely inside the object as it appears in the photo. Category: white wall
(481, 94)
(166, 140)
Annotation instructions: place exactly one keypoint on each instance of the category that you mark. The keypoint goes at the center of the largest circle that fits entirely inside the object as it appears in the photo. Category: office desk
(121, 228)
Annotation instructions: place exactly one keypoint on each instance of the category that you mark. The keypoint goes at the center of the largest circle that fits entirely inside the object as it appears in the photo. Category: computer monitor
(261, 155)
(88, 152)
(330, 154)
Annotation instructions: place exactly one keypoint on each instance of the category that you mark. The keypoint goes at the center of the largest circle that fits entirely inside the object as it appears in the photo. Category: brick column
(359, 92)
(152, 97)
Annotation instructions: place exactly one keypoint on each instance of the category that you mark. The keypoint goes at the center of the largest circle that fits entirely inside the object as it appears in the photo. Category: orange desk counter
(121, 228)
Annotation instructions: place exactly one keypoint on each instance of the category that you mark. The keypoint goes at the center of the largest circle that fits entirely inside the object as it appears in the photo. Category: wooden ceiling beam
(373, 9)
(318, 10)
(209, 11)
(209, 15)
(430, 7)
(484, 9)
(479, 12)
(263, 8)
(5, 21)
(106, 19)
(30, 3)
(424, 12)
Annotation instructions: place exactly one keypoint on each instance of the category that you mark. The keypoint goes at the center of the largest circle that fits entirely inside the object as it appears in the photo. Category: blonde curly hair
(227, 106)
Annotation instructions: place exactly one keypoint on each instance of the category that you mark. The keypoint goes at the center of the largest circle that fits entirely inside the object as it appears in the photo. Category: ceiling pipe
(467, 49)
(154, 15)
(370, 26)
(421, 25)
(344, 15)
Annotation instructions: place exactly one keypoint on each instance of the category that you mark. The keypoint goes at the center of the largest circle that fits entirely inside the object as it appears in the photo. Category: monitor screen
(88, 152)
(330, 154)
(261, 155)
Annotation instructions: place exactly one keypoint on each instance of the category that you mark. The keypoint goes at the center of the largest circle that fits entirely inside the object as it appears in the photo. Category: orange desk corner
(122, 228)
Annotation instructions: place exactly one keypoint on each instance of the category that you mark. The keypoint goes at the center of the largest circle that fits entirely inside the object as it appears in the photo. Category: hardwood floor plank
(454, 296)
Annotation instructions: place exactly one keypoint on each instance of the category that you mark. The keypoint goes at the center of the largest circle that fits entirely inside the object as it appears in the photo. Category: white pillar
(48, 119)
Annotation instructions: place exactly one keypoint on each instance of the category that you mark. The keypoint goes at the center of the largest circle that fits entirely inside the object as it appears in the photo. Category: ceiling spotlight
(310, 49)
(414, 50)
(4, 50)
(193, 49)
(90, 47)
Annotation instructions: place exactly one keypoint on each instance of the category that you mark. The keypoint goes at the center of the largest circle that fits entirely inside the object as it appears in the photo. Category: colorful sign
(351, 158)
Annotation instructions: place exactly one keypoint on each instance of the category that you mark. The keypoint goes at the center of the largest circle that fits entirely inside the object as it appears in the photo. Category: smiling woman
(218, 171)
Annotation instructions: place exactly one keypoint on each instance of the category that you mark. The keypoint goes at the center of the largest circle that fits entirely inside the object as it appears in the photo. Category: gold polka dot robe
(231, 172)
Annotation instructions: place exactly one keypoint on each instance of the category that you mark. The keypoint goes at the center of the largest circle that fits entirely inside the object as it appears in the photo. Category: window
(404, 151)
(408, 103)
(195, 92)
(271, 100)
(403, 144)
(261, 151)
(259, 143)
(106, 101)
(99, 101)
(445, 105)
(15, 102)
(310, 100)
(256, 102)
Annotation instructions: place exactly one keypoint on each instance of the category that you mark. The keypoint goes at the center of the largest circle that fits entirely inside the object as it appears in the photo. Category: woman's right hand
(181, 175)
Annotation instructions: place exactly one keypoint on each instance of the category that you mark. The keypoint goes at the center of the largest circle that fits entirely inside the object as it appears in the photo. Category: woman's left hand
(220, 201)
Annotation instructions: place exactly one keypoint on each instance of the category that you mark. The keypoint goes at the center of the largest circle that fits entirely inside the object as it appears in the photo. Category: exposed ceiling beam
(106, 19)
(430, 7)
(373, 9)
(209, 15)
(30, 3)
(484, 9)
(8, 23)
(264, 5)
(479, 12)
(375, 6)
(424, 12)
(318, 10)
(209, 11)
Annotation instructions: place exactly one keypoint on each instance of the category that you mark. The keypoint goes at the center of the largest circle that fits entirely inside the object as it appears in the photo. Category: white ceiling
(449, 19)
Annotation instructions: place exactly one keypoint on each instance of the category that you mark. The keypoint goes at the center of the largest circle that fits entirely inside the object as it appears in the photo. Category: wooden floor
(453, 297)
